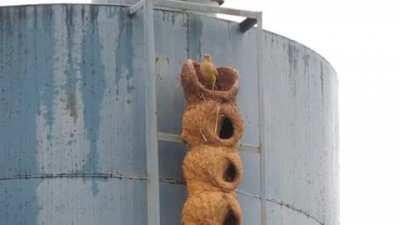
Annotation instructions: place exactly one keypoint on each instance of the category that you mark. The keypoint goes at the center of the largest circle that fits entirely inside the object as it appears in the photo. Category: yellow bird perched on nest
(208, 71)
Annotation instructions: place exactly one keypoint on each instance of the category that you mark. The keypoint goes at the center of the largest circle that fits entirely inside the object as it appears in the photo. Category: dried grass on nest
(208, 168)
(212, 208)
(227, 85)
(201, 124)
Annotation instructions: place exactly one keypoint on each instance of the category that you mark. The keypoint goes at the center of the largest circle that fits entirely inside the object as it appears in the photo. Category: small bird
(208, 71)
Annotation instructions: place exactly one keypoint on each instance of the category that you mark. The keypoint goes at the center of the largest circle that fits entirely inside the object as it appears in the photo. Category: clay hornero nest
(212, 123)
(212, 208)
(210, 168)
(195, 90)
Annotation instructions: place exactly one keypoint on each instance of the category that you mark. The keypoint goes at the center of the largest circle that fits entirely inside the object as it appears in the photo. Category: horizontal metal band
(171, 180)
(282, 204)
(251, 17)
(160, 4)
(72, 175)
(174, 138)
(168, 137)
(203, 8)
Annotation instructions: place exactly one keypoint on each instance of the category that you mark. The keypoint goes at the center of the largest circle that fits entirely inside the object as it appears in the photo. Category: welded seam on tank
(171, 180)
(73, 175)
(282, 204)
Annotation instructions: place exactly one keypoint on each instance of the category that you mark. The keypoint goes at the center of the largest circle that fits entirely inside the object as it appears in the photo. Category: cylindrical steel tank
(73, 119)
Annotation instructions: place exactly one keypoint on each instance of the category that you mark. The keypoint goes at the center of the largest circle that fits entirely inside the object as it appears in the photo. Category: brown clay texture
(203, 122)
(209, 168)
(227, 85)
(212, 127)
(212, 208)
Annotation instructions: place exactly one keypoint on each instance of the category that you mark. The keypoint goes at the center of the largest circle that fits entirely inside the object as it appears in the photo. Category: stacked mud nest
(211, 127)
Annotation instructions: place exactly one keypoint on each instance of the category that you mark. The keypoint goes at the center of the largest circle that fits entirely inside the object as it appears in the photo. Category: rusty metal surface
(72, 117)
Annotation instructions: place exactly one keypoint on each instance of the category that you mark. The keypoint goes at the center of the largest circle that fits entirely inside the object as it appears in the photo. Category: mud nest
(209, 168)
(212, 127)
(195, 90)
(212, 208)
(212, 123)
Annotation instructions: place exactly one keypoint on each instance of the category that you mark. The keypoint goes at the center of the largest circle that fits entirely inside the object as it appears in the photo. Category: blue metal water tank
(73, 119)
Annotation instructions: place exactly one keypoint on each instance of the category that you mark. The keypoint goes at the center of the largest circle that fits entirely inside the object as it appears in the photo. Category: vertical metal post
(261, 118)
(153, 190)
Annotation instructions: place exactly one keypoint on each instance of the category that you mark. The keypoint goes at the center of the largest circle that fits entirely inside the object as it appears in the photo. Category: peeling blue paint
(71, 71)
(93, 89)
(43, 22)
(125, 43)
(52, 71)
(194, 35)
(19, 105)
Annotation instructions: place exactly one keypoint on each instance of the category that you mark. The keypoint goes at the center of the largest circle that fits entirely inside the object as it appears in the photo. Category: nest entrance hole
(231, 218)
(226, 129)
(230, 173)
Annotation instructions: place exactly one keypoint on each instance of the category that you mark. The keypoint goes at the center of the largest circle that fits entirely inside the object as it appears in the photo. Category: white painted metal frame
(200, 8)
(261, 118)
(153, 184)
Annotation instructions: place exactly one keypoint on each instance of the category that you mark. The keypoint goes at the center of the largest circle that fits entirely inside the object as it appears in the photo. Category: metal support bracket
(151, 127)
(246, 24)
(262, 118)
(252, 17)
(134, 8)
